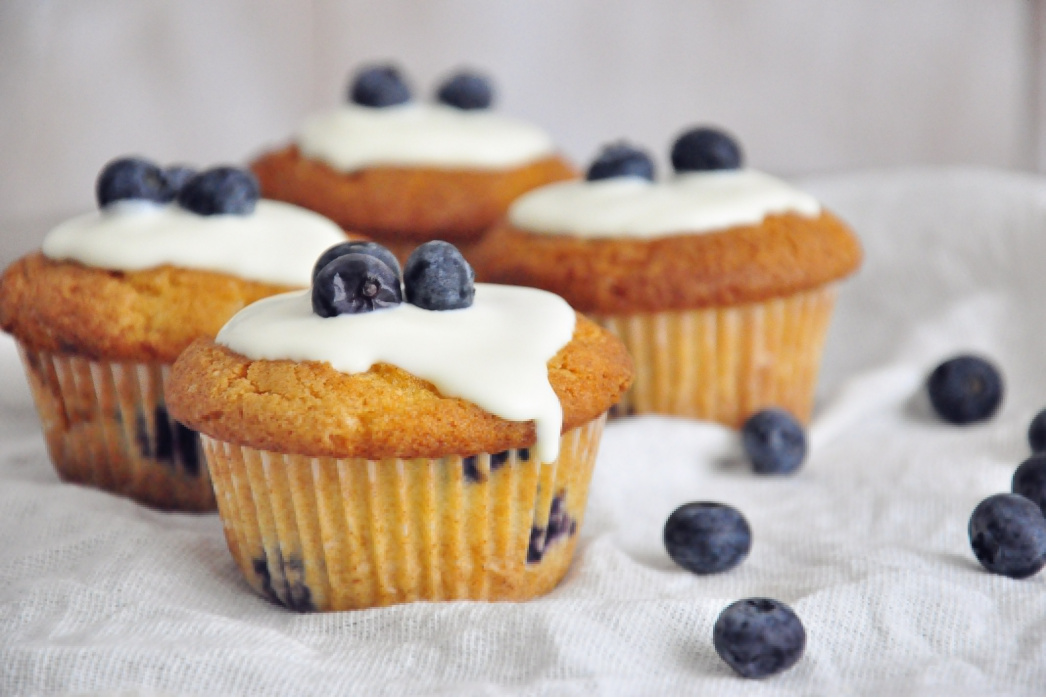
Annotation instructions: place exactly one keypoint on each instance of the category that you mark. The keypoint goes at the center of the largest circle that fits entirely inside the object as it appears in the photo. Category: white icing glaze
(692, 202)
(412, 135)
(493, 354)
(277, 243)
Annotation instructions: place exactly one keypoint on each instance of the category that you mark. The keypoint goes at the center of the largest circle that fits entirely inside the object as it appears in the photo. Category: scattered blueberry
(758, 637)
(177, 176)
(220, 191)
(284, 583)
(357, 247)
(1008, 535)
(774, 441)
(621, 160)
(466, 90)
(1037, 432)
(707, 538)
(702, 149)
(355, 283)
(560, 526)
(965, 389)
(132, 178)
(1029, 480)
(437, 277)
(379, 86)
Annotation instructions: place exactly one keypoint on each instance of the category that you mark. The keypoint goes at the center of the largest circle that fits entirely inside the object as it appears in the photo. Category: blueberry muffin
(403, 171)
(720, 280)
(115, 295)
(373, 442)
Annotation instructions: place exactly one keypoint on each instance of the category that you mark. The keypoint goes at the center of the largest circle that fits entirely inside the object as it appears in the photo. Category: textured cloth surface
(867, 543)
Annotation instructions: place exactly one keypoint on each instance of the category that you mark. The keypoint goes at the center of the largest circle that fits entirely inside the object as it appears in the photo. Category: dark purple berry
(1037, 432)
(177, 176)
(1029, 480)
(220, 191)
(357, 247)
(437, 277)
(1008, 535)
(759, 637)
(965, 389)
(621, 160)
(355, 283)
(379, 86)
(707, 538)
(774, 441)
(466, 90)
(701, 149)
(132, 178)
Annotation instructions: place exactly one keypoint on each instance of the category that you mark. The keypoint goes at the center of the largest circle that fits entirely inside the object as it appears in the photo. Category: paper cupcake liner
(106, 425)
(320, 533)
(725, 363)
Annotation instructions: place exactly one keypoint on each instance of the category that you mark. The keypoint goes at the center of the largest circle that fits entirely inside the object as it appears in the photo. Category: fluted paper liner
(106, 425)
(725, 363)
(321, 533)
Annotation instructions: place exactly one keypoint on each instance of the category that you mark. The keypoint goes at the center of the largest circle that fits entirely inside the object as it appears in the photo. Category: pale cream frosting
(418, 135)
(493, 354)
(278, 243)
(691, 202)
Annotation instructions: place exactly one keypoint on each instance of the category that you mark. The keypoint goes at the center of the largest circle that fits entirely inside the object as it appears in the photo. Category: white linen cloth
(867, 543)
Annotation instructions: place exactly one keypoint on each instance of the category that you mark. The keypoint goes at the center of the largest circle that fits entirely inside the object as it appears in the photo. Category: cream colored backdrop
(808, 85)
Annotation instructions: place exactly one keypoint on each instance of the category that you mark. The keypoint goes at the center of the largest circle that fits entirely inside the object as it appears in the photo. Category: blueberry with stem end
(707, 538)
(220, 191)
(965, 389)
(758, 637)
(437, 277)
(703, 148)
(355, 283)
(774, 441)
(466, 90)
(621, 160)
(1008, 535)
(1029, 480)
(357, 247)
(132, 178)
(379, 86)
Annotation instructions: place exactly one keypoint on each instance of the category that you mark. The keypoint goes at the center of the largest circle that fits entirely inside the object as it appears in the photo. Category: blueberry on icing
(466, 90)
(357, 247)
(621, 160)
(703, 148)
(355, 283)
(379, 86)
(220, 191)
(132, 178)
(437, 277)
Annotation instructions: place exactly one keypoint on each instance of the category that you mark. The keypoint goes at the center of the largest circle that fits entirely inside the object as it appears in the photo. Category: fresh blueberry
(177, 176)
(355, 283)
(220, 191)
(621, 160)
(758, 637)
(1037, 432)
(379, 86)
(1008, 535)
(774, 441)
(132, 178)
(357, 247)
(466, 90)
(702, 149)
(1029, 480)
(707, 538)
(965, 389)
(437, 277)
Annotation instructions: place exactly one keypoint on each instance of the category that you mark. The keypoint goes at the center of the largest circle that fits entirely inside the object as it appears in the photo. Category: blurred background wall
(809, 86)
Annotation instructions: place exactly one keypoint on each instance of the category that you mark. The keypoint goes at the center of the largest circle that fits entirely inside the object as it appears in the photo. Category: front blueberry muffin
(115, 295)
(388, 437)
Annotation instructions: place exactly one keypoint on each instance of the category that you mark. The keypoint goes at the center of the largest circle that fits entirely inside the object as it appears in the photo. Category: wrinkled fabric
(867, 542)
